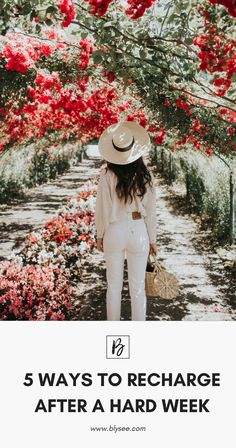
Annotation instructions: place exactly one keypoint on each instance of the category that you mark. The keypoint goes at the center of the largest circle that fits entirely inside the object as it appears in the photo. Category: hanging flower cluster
(137, 8)
(197, 131)
(99, 7)
(79, 108)
(181, 104)
(70, 111)
(199, 128)
(67, 8)
(46, 81)
(87, 49)
(218, 54)
(21, 52)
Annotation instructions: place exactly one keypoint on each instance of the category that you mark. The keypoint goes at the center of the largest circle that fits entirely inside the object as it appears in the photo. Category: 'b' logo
(117, 347)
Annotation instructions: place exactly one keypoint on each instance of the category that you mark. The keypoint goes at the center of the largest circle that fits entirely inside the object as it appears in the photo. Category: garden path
(40, 203)
(208, 288)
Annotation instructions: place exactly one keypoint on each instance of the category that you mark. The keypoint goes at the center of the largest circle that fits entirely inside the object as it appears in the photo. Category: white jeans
(126, 237)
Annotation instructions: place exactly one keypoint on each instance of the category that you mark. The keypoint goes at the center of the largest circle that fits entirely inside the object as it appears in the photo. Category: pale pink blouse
(109, 208)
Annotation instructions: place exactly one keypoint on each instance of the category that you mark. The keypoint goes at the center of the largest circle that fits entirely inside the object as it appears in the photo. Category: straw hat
(124, 142)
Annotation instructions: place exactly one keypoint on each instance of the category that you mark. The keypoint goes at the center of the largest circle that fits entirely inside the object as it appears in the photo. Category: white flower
(91, 203)
(43, 257)
(83, 247)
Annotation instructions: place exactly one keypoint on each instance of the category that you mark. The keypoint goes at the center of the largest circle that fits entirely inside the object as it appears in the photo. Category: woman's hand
(153, 249)
(100, 244)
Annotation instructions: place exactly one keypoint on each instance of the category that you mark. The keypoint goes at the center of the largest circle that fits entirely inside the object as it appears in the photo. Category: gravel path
(40, 204)
(208, 288)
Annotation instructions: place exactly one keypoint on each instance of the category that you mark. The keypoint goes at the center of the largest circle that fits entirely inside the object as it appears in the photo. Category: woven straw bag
(160, 282)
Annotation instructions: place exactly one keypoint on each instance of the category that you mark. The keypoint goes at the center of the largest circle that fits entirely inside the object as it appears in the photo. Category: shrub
(207, 185)
(32, 166)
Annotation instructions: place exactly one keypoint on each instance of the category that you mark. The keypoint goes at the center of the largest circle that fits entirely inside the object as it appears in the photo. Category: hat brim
(141, 147)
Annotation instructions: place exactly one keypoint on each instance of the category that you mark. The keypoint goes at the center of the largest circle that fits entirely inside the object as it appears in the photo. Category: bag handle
(157, 264)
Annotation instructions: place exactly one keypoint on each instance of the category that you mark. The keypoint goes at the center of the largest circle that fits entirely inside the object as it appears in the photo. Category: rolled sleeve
(103, 204)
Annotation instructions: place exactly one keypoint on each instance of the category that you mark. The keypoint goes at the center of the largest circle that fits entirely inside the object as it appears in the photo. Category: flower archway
(70, 68)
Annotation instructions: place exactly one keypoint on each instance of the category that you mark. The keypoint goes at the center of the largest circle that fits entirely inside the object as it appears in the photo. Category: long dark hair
(133, 178)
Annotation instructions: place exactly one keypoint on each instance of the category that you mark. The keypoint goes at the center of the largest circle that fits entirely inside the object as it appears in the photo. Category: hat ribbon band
(126, 148)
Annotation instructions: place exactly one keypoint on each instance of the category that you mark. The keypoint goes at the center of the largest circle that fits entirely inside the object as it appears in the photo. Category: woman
(125, 214)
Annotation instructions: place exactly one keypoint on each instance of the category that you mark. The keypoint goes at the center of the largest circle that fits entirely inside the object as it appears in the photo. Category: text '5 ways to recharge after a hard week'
(120, 405)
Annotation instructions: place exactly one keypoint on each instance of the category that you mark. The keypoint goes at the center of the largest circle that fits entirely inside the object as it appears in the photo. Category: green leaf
(38, 27)
(51, 9)
(26, 9)
(142, 54)
(32, 15)
(189, 40)
(97, 57)
(83, 35)
(108, 24)
(233, 79)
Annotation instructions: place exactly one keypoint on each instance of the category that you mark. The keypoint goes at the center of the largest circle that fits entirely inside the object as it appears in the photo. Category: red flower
(47, 81)
(137, 8)
(87, 50)
(181, 104)
(182, 141)
(209, 151)
(160, 137)
(99, 7)
(217, 51)
(47, 50)
(109, 75)
(219, 82)
(67, 8)
(231, 131)
(167, 103)
(18, 58)
(223, 111)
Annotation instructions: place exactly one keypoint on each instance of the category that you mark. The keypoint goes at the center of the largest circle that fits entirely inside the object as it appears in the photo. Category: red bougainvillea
(22, 53)
(199, 128)
(71, 111)
(87, 49)
(18, 59)
(109, 75)
(218, 54)
(67, 8)
(139, 117)
(137, 8)
(99, 7)
(182, 104)
(159, 138)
